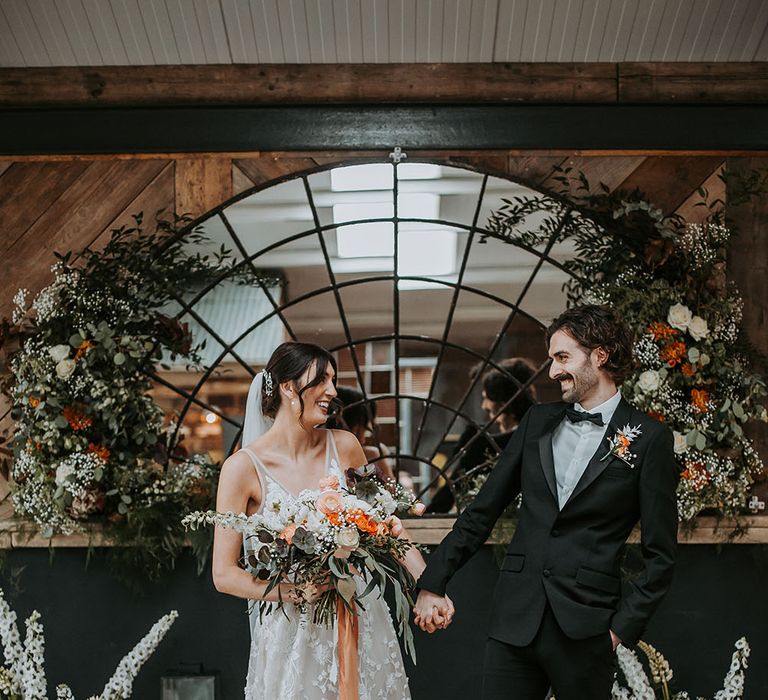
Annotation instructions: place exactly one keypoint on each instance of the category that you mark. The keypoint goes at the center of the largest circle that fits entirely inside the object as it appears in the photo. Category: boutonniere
(618, 445)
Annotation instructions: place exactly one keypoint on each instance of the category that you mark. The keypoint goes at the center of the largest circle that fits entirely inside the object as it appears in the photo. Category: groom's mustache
(561, 377)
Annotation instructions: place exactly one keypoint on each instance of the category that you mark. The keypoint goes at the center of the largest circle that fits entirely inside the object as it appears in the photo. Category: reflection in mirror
(416, 349)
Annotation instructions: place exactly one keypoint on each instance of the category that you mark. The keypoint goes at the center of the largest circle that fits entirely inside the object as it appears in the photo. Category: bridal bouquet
(329, 539)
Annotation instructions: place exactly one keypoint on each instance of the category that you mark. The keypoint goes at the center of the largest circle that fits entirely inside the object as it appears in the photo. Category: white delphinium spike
(733, 686)
(635, 675)
(120, 685)
(9, 633)
(63, 692)
(619, 693)
(34, 683)
(24, 660)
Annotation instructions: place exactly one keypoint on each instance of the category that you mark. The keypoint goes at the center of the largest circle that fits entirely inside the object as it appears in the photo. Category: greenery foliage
(90, 444)
(696, 370)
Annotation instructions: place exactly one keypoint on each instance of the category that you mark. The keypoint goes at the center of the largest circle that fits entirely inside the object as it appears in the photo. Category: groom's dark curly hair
(595, 326)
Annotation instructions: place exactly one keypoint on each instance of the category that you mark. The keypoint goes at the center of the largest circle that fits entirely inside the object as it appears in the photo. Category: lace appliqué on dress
(293, 659)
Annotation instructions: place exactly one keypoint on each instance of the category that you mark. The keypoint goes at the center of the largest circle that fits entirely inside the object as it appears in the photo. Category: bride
(285, 452)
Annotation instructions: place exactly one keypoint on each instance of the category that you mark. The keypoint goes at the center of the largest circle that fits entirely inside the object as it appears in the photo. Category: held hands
(432, 611)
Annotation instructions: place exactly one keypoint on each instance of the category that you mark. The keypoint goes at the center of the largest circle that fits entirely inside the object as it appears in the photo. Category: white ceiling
(153, 32)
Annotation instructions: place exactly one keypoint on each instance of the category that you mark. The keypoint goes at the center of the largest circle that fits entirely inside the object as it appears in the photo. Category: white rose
(681, 444)
(63, 472)
(698, 328)
(59, 352)
(348, 537)
(648, 380)
(679, 316)
(65, 368)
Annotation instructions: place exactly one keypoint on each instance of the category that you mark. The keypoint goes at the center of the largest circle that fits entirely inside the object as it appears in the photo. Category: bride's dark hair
(289, 362)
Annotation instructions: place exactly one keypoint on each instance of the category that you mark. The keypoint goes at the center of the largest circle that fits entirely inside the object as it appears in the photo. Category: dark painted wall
(91, 620)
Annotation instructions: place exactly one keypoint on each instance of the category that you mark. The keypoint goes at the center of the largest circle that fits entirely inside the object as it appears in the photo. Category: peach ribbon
(347, 652)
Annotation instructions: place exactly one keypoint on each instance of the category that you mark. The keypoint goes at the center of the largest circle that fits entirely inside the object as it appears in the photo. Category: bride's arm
(239, 483)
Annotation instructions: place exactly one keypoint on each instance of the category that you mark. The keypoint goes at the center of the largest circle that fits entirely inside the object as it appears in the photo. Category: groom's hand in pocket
(432, 611)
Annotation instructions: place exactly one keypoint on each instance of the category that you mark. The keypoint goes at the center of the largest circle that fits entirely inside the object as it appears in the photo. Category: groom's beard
(578, 385)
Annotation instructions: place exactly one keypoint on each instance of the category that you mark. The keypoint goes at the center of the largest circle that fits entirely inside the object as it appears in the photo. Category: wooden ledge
(16, 534)
(708, 530)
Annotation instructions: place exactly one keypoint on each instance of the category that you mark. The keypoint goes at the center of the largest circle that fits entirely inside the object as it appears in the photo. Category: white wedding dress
(293, 659)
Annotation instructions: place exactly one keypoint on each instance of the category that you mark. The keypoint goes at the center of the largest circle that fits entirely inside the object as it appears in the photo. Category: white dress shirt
(574, 444)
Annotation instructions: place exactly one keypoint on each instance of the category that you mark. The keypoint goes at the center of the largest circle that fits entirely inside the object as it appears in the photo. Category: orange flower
(334, 518)
(288, 533)
(363, 522)
(696, 473)
(687, 369)
(34, 402)
(99, 450)
(85, 346)
(674, 352)
(76, 420)
(662, 331)
(700, 400)
(658, 416)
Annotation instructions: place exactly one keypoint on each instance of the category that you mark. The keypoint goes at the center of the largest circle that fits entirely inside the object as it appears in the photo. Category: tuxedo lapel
(545, 451)
(596, 466)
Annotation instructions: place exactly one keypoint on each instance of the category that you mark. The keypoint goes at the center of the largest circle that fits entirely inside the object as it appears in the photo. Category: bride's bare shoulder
(238, 467)
(348, 446)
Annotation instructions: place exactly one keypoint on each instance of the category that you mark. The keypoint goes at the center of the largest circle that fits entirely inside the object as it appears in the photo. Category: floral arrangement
(666, 277)
(90, 444)
(23, 675)
(643, 688)
(348, 536)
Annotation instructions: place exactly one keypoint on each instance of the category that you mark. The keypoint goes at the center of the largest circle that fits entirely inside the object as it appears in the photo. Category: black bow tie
(577, 416)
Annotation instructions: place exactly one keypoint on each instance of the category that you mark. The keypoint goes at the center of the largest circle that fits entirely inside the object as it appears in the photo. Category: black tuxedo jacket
(571, 556)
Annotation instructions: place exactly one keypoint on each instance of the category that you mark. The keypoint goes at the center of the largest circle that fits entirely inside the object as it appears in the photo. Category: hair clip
(268, 388)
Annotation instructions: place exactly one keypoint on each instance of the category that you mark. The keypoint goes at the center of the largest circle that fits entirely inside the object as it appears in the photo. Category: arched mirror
(394, 268)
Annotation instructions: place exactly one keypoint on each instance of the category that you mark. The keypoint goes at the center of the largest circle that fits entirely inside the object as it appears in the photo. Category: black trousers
(575, 669)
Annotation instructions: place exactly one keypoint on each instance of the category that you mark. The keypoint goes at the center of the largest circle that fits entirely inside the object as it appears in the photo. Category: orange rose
(329, 482)
(329, 502)
(34, 402)
(288, 532)
(687, 369)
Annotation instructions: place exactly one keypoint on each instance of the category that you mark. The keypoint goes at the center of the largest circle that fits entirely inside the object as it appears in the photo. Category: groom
(588, 468)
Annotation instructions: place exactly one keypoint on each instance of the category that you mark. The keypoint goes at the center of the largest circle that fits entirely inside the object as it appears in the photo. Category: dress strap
(331, 452)
(262, 474)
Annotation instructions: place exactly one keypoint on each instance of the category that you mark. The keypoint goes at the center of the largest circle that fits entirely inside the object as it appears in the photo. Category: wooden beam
(693, 83)
(606, 83)
(202, 185)
(308, 84)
